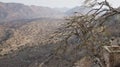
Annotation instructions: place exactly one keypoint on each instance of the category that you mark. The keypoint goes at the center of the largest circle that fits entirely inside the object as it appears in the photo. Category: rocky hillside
(26, 46)
(25, 34)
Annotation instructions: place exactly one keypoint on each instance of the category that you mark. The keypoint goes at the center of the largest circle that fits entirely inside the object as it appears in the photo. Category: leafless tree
(89, 28)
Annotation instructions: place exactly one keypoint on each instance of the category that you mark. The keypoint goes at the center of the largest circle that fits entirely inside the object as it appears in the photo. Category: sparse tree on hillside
(89, 28)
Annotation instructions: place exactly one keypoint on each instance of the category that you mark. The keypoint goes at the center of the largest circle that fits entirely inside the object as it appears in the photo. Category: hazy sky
(56, 3)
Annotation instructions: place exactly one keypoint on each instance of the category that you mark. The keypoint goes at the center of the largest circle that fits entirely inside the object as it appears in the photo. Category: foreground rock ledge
(112, 56)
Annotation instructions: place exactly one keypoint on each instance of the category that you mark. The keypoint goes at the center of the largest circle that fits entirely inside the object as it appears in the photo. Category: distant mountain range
(63, 9)
(16, 11)
(78, 9)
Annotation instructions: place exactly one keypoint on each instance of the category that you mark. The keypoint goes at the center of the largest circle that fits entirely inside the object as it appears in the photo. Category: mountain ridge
(14, 11)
